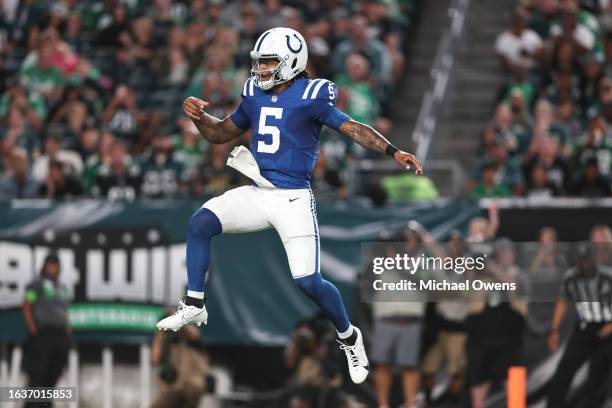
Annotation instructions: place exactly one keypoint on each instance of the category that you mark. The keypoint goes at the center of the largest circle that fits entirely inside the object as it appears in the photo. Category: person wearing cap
(45, 311)
(588, 284)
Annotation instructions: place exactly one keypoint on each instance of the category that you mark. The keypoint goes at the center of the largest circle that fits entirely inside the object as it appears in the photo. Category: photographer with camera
(183, 367)
(316, 377)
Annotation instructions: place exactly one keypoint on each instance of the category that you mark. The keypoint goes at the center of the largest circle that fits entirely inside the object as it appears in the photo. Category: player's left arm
(369, 138)
(325, 110)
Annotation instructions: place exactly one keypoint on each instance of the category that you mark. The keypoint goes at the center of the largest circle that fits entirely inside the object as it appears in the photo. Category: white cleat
(357, 359)
(184, 315)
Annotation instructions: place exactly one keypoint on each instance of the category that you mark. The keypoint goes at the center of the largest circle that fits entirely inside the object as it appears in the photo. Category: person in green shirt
(360, 98)
(43, 76)
(32, 106)
(188, 147)
(489, 187)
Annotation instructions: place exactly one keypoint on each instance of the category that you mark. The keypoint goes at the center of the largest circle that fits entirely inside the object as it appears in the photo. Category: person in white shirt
(518, 47)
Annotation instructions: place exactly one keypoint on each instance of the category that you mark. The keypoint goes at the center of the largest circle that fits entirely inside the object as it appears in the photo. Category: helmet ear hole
(294, 63)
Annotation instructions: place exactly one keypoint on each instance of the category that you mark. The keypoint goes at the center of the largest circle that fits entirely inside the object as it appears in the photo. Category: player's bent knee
(311, 285)
(204, 223)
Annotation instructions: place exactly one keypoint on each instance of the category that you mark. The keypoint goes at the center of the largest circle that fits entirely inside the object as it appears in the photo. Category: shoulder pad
(249, 88)
(320, 89)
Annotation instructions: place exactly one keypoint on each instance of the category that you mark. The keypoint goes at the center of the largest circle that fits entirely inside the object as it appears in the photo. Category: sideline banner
(124, 263)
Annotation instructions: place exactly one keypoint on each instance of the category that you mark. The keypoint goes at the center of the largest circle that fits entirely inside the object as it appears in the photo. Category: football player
(285, 110)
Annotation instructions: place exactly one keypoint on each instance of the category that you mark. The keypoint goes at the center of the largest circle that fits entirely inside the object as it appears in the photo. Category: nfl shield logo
(274, 98)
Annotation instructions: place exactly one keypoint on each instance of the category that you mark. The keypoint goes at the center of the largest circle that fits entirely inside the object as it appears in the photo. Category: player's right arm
(215, 130)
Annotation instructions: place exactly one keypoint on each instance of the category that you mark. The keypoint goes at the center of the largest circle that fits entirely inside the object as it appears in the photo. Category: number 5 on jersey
(272, 147)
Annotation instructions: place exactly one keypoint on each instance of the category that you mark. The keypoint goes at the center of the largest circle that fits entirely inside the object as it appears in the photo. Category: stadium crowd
(91, 91)
(551, 133)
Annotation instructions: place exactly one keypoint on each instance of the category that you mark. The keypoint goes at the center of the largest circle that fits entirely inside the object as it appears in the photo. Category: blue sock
(203, 225)
(327, 296)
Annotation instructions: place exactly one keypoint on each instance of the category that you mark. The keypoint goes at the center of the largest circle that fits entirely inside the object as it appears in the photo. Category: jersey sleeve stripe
(318, 88)
(251, 90)
(310, 84)
(244, 88)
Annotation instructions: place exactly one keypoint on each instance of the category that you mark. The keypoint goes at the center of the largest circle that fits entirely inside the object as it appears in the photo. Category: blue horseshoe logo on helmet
(289, 43)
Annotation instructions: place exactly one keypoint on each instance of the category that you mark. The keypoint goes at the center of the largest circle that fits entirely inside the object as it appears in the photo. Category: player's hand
(605, 331)
(553, 341)
(408, 160)
(192, 107)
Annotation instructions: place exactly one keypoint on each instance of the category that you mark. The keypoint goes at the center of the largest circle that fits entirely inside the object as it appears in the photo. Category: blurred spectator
(570, 30)
(45, 311)
(101, 155)
(18, 183)
(393, 42)
(373, 49)
(88, 143)
(545, 126)
(32, 108)
(494, 327)
(501, 131)
(70, 120)
(326, 181)
(538, 183)
(489, 186)
(521, 118)
(564, 86)
(315, 377)
(397, 330)
(448, 347)
(188, 147)
(272, 11)
(122, 115)
(592, 75)
(567, 120)
(481, 229)
(591, 183)
(113, 35)
(162, 176)
(120, 178)
(41, 75)
(520, 84)
(596, 145)
(508, 172)
(53, 151)
(183, 368)
(361, 103)
(519, 46)
(17, 132)
(549, 258)
(547, 155)
(213, 177)
(60, 185)
(76, 38)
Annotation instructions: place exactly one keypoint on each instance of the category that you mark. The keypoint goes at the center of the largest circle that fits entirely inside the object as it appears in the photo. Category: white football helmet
(288, 47)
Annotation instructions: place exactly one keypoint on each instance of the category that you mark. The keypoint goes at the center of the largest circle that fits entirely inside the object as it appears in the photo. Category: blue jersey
(286, 127)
